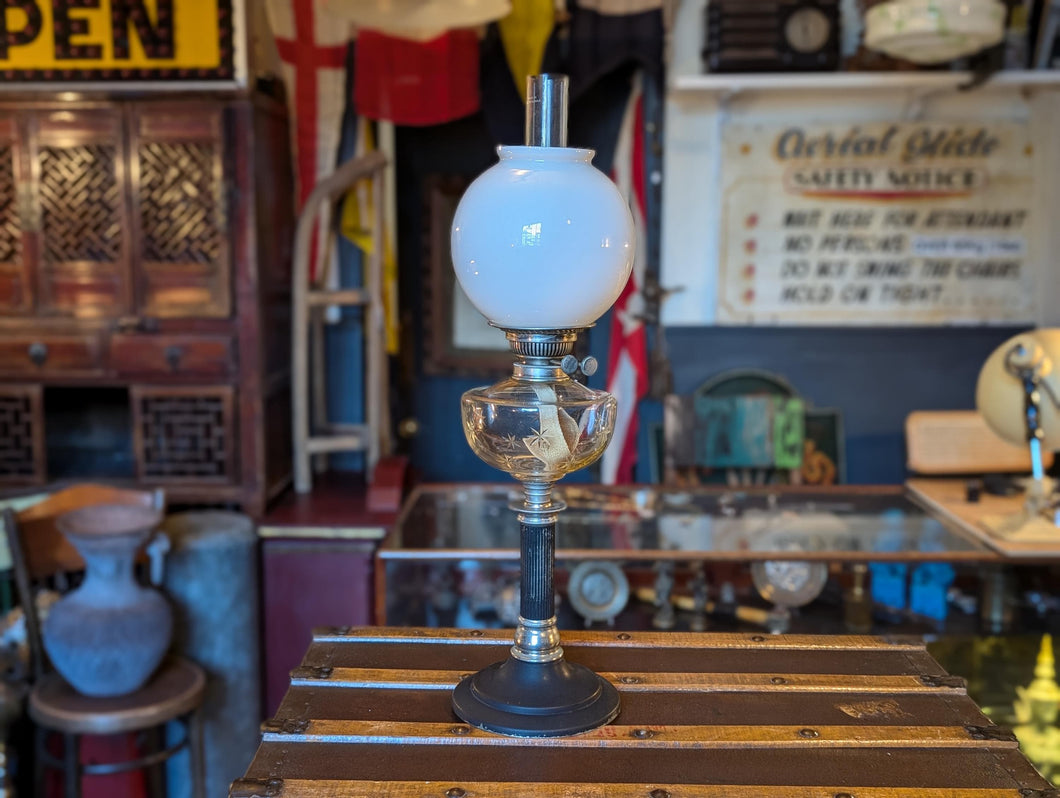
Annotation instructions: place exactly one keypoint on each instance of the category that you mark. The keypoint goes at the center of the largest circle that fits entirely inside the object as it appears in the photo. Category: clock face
(598, 590)
(789, 583)
(807, 30)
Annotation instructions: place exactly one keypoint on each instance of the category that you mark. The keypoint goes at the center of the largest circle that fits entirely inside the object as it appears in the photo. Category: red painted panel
(309, 583)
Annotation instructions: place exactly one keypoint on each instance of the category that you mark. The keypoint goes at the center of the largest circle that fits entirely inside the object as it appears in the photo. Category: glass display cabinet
(786, 559)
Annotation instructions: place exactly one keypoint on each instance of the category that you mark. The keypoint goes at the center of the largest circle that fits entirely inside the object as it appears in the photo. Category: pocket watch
(789, 583)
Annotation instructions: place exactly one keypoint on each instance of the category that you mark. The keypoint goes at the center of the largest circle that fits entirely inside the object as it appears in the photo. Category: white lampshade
(543, 240)
(934, 31)
(999, 395)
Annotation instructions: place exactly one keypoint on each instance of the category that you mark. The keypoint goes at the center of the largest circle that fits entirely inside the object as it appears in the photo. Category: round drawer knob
(38, 353)
(174, 354)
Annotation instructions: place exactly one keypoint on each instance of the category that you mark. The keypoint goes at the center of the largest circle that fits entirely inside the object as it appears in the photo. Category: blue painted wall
(875, 376)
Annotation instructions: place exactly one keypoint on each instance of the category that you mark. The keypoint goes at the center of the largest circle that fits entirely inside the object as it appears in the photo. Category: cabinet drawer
(198, 355)
(51, 354)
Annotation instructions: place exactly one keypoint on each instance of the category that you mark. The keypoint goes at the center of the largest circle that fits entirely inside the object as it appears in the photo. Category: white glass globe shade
(543, 240)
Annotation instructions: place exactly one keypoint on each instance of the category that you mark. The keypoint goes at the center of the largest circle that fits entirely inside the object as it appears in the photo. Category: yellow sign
(117, 40)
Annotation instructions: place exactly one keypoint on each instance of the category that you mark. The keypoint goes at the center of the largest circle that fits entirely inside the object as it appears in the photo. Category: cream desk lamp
(1018, 393)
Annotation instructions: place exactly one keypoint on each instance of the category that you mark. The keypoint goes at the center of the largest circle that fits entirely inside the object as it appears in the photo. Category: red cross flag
(627, 358)
(312, 43)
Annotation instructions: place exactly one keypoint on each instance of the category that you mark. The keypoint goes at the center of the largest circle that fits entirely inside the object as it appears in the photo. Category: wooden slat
(641, 737)
(307, 788)
(634, 659)
(805, 707)
(654, 640)
(388, 678)
(913, 766)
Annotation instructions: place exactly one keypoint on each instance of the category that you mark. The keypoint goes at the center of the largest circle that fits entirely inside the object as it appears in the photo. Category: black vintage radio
(771, 36)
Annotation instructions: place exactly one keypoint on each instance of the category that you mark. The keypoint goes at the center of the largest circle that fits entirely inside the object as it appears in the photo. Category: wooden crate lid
(368, 713)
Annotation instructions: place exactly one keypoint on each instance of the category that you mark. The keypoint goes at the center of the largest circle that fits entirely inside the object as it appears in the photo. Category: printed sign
(117, 41)
(876, 223)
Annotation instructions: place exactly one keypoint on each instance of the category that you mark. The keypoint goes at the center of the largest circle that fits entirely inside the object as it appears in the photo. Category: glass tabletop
(861, 523)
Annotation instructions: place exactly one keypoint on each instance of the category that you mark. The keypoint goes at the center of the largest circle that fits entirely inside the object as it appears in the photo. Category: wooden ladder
(319, 436)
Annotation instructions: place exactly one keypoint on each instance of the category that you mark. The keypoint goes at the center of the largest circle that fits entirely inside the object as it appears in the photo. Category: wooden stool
(174, 693)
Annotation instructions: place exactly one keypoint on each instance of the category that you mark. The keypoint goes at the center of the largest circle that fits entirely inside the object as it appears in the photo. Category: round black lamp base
(535, 699)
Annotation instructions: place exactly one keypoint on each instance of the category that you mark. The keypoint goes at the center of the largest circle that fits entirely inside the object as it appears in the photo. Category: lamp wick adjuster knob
(571, 366)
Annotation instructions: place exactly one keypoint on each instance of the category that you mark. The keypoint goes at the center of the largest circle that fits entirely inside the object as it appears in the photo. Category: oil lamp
(542, 245)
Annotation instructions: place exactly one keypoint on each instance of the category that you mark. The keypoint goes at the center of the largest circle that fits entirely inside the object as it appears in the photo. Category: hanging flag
(419, 20)
(600, 41)
(627, 359)
(312, 43)
(358, 219)
(416, 82)
(525, 33)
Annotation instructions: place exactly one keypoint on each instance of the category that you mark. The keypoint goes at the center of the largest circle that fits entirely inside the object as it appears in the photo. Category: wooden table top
(338, 508)
(946, 499)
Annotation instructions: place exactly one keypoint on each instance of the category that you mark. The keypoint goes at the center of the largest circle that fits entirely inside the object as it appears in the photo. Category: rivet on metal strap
(944, 681)
(902, 640)
(312, 672)
(285, 726)
(998, 734)
(256, 788)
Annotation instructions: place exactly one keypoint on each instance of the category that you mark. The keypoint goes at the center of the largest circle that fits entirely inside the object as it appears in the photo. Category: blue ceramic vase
(108, 636)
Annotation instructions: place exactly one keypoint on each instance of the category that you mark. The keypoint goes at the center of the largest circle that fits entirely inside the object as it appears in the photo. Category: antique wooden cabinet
(145, 250)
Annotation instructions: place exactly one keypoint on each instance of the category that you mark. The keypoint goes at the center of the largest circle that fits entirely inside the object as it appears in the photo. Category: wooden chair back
(39, 550)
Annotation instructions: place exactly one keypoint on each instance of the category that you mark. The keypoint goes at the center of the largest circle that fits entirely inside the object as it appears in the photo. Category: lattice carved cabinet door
(78, 164)
(16, 285)
(21, 434)
(180, 221)
(184, 434)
